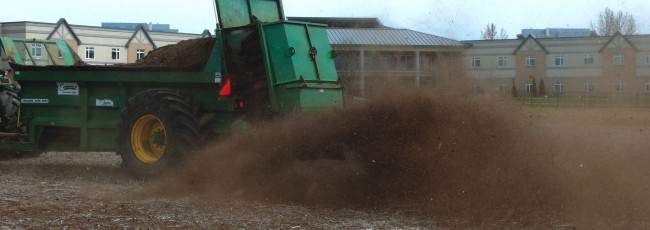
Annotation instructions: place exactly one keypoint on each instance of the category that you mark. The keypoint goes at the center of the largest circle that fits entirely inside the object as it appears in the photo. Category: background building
(370, 54)
(97, 45)
(556, 33)
(583, 65)
(147, 26)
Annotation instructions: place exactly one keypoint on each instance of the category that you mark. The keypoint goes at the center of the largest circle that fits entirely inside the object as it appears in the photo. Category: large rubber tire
(157, 129)
(9, 106)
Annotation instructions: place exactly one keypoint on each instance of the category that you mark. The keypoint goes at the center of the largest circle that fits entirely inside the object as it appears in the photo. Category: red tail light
(239, 104)
(226, 90)
(4, 80)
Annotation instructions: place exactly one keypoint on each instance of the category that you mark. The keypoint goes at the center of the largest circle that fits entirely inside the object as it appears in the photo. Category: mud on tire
(9, 106)
(157, 128)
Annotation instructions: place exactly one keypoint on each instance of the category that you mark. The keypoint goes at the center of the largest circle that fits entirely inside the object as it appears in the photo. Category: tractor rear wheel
(157, 128)
(9, 106)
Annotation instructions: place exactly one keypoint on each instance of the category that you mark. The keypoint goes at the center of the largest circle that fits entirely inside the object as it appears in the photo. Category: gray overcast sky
(456, 19)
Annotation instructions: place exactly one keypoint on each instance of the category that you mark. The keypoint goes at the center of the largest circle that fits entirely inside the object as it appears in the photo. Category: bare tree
(609, 23)
(503, 34)
(490, 33)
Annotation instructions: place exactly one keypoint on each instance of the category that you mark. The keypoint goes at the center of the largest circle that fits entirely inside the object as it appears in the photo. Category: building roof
(556, 33)
(531, 37)
(387, 37)
(333, 22)
(63, 22)
(616, 35)
(145, 33)
(157, 27)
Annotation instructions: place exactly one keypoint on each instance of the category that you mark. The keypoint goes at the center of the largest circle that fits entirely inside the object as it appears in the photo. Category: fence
(587, 99)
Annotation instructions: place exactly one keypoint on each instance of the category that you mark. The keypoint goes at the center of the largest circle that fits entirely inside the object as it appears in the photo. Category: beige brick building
(97, 45)
(567, 65)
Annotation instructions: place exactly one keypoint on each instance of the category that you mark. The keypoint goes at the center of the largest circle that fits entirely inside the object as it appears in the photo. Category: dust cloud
(455, 155)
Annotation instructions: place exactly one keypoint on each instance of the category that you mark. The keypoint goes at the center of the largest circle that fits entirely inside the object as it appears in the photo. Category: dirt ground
(412, 162)
(91, 191)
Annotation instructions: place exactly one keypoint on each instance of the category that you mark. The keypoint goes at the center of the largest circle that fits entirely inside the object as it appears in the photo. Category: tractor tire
(157, 129)
(9, 106)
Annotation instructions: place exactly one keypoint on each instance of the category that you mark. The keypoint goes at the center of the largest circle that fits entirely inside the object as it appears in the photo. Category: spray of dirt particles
(444, 154)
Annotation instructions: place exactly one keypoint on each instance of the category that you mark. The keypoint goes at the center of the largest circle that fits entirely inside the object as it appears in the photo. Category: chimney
(548, 32)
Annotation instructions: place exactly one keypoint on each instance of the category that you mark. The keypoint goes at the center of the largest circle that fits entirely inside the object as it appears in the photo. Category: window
(405, 62)
(394, 62)
(385, 62)
(37, 50)
(559, 87)
(115, 53)
(530, 61)
(503, 86)
(559, 60)
(647, 59)
(530, 87)
(347, 61)
(647, 86)
(619, 59)
(619, 87)
(139, 54)
(589, 87)
(589, 59)
(90, 52)
(503, 61)
(476, 62)
(427, 63)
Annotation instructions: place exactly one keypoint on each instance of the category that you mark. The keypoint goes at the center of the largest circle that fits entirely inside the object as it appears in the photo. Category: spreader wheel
(9, 106)
(157, 128)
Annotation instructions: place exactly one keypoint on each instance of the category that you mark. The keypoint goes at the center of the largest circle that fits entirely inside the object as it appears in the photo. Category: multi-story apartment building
(577, 65)
(96, 45)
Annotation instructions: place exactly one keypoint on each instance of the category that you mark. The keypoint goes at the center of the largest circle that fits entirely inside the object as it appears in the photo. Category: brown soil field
(412, 161)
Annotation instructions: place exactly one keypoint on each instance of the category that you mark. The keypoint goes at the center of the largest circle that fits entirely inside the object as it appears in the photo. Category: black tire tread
(9, 106)
(179, 114)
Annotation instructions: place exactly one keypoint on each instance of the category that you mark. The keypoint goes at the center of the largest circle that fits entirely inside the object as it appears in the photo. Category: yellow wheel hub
(149, 139)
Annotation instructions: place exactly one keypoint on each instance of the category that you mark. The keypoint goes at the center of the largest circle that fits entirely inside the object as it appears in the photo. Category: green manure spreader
(258, 66)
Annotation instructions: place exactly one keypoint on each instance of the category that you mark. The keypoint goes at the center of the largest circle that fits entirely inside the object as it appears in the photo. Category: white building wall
(489, 52)
(163, 39)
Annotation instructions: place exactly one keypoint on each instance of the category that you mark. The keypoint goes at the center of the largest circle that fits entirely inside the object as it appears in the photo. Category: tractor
(260, 66)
